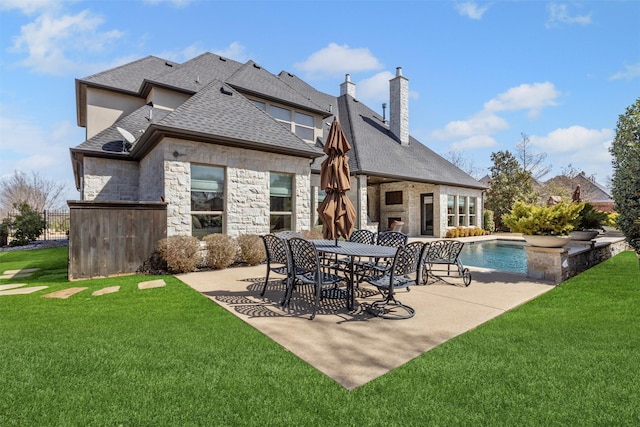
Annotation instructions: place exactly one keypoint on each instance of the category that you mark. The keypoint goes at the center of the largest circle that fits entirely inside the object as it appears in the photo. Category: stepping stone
(18, 274)
(64, 293)
(22, 291)
(11, 286)
(104, 291)
(152, 284)
(15, 276)
(24, 270)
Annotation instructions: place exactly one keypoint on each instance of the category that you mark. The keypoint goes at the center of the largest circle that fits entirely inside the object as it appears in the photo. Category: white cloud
(336, 60)
(29, 7)
(471, 9)
(473, 142)
(235, 51)
(28, 147)
(176, 3)
(181, 55)
(532, 97)
(51, 41)
(585, 149)
(375, 88)
(478, 125)
(575, 139)
(631, 72)
(559, 14)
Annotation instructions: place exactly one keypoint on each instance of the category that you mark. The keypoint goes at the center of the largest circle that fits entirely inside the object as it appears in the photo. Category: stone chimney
(347, 87)
(399, 107)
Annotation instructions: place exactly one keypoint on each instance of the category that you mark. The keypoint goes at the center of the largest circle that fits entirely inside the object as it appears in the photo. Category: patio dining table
(353, 250)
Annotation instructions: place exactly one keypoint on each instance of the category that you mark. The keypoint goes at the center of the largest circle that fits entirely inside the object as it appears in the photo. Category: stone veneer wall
(410, 210)
(247, 185)
(559, 264)
(108, 179)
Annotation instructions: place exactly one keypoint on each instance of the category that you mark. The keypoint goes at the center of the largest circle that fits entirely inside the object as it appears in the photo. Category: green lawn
(170, 357)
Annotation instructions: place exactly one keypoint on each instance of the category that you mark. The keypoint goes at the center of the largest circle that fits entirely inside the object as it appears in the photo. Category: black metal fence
(57, 224)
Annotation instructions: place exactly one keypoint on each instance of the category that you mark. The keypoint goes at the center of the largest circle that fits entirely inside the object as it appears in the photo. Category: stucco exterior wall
(104, 108)
(108, 179)
(166, 99)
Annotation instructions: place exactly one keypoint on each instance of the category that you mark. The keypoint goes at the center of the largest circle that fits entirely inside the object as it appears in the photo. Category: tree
(27, 225)
(457, 159)
(530, 160)
(625, 150)
(39, 193)
(508, 183)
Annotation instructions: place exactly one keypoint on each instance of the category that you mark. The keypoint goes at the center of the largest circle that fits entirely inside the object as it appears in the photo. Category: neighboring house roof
(590, 190)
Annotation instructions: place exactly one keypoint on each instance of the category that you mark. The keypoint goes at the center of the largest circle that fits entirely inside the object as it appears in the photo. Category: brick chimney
(399, 107)
(347, 87)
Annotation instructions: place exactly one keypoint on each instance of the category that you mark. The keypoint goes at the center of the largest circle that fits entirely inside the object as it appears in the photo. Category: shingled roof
(218, 112)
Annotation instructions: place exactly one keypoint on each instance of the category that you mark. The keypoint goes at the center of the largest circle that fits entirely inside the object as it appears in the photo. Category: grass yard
(171, 357)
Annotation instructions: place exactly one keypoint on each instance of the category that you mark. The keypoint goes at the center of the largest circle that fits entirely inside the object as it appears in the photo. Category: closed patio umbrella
(336, 211)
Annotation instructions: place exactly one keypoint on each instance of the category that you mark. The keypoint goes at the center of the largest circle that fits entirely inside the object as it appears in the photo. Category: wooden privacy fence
(108, 238)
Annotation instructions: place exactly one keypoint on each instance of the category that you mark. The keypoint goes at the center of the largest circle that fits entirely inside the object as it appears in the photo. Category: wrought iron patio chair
(308, 270)
(357, 236)
(278, 261)
(393, 239)
(404, 272)
(440, 256)
(287, 234)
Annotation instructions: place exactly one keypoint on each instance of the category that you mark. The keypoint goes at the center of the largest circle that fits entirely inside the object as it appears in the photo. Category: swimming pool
(504, 255)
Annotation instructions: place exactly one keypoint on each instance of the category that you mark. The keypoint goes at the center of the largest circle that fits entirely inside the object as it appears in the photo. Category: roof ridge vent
(257, 66)
(222, 59)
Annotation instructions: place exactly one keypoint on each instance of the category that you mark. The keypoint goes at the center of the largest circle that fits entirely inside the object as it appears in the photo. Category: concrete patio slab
(354, 347)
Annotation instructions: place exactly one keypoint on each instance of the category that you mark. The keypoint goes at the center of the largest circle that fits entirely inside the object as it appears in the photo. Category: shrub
(28, 225)
(542, 220)
(180, 253)
(590, 218)
(252, 249)
(313, 234)
(221, 250)
(489, 223)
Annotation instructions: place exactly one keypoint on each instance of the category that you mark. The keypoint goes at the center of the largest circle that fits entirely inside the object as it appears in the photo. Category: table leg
(350, 287)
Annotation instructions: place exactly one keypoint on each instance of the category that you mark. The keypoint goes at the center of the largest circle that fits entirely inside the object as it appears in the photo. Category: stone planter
(583, 235)
(546, 241)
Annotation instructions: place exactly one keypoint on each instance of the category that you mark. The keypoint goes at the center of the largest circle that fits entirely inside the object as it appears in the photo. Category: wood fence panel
(113, 238)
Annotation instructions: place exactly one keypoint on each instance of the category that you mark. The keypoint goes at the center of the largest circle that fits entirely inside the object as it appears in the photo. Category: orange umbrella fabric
(336, 211)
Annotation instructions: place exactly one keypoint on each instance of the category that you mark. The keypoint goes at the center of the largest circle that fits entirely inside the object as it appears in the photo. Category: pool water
(504, 255)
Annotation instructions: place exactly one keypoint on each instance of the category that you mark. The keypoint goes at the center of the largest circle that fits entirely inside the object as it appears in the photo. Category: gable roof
(218, 112)
(377, 152)
(253, 79)
(196, 73)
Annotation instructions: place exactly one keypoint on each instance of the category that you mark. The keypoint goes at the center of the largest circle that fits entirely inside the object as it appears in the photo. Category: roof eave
(413, 179)
(155, 133)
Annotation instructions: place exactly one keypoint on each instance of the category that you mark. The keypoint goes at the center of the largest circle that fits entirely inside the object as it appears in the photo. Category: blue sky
(480, 73)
